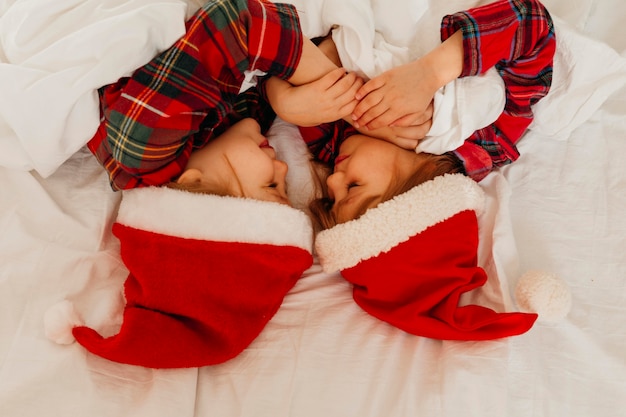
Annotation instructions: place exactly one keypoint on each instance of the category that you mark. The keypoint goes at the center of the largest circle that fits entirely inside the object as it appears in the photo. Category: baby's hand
(407, 137)
(326, 100)
(398, 97)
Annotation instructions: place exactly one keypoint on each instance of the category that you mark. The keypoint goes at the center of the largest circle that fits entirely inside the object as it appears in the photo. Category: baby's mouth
(340, 159)
(265, 144)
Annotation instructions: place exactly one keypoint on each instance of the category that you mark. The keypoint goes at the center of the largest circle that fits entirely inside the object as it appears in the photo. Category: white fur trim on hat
(395, 221)
(211, 217)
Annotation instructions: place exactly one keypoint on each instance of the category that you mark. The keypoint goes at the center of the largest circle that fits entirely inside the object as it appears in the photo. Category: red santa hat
(206, 274)
(411, 258)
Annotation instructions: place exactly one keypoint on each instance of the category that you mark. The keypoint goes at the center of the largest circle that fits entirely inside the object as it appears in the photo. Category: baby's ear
(189, 176)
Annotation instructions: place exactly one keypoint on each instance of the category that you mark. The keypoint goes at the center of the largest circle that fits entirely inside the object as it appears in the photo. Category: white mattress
(560, 208)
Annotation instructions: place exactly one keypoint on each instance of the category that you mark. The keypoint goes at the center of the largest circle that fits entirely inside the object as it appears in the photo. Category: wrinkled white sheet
(53, 57)
(372, 37)
(559, 208)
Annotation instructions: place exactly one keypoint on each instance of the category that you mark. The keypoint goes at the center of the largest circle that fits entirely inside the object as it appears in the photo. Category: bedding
(559, 208)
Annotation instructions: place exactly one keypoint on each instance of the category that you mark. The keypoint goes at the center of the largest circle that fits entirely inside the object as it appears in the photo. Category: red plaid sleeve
(517, 37)
(324, 140)
(190, 93)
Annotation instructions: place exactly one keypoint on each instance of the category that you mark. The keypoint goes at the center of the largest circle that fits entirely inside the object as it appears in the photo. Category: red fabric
(517, 37)
(416, 285)
(192, 303)
(189, 94)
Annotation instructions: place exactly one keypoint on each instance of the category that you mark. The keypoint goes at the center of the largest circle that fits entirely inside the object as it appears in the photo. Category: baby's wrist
(445, 62)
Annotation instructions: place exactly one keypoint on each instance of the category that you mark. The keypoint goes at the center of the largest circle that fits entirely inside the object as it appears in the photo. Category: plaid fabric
(324, 140)
(515, 36)
(190, 93)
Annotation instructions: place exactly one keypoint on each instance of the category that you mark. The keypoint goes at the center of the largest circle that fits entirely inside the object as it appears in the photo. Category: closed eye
(352, 185)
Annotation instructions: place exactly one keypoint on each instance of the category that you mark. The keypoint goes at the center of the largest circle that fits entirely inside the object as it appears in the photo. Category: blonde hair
(433, 166)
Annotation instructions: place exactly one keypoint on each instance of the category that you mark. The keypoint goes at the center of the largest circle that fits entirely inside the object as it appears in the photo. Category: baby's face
(242, 160)
(365, 171)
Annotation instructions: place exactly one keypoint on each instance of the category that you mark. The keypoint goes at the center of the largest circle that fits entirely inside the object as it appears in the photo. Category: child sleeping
(402, 226)
(201, 86)
(205, 226)
(516, 37)
(197, 292)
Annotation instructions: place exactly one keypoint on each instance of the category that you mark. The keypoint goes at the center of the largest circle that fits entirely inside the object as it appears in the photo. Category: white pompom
(59, 321)
(545, 294)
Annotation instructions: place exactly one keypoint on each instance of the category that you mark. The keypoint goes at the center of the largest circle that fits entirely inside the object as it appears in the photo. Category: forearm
(151, 120)
(313, 64)
(402, 96)
(516, 37)
(444, 63)
(500, 33)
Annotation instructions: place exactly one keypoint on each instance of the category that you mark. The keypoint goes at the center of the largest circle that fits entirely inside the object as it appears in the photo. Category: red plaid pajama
(515, 36)
(189, 94)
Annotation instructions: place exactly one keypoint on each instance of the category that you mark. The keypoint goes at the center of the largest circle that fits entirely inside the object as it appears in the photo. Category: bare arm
(319, 90)
(313, 64)
(326, 100)
(333, 97)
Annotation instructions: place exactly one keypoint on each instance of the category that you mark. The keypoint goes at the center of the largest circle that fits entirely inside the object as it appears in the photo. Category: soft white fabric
(372, 37)
(211, 217)
(53, 57)
(301, 181)
(59, 320)
(586, 73)
(461, 107)
(559, 208)
(390, 223)
(545, 294)
(49, 107)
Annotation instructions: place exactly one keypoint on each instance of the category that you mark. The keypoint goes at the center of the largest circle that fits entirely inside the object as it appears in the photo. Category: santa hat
(411, 258)
(206, 274)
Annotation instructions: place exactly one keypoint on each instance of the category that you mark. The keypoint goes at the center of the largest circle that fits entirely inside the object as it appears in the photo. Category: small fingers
(346, 109)
(368, 87)
(383, 120)
(368, 109)
(416, 133)
(346, 101)
(419, 118)
(348, 84)
(413, 119)
(405, 143)
(333, 77)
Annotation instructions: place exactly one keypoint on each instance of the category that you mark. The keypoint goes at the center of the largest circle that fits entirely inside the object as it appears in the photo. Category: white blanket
(559, 208)
(53, 57)
(372, 37)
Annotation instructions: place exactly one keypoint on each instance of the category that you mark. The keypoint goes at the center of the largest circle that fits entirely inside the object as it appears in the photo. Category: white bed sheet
(559, 208)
